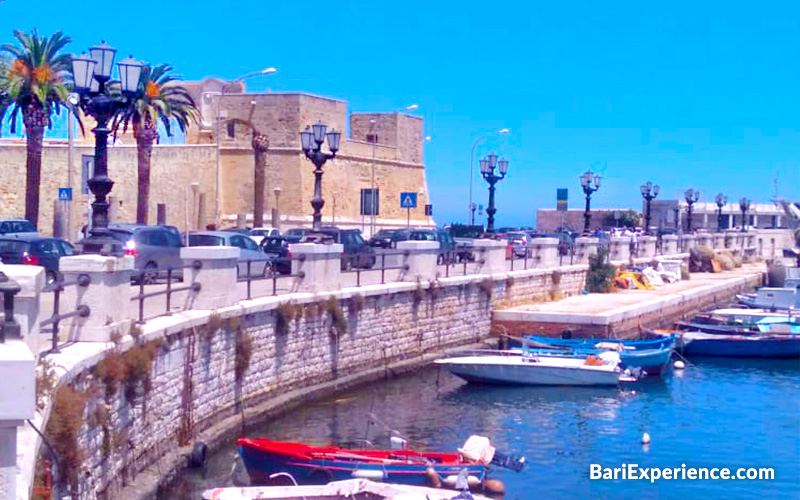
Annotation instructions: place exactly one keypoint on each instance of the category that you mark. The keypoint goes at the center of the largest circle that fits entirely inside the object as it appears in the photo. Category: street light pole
(472, 158)
(488, 166)
(744, 206)
(692, 196)
(311, 140)
(92, 77)
(590, 182)
(217, 168)
(721, 201)
(649, 193)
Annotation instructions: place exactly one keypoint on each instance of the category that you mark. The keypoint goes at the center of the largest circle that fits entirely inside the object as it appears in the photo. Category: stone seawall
(212, 372)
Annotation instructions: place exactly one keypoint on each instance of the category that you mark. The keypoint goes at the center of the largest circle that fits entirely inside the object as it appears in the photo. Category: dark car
(356, 251)
(296, 234)
(383, 238)
(13, 228)
(565, 241)
(155, 248)
(277, 251)
(35, 251)
(446, 252)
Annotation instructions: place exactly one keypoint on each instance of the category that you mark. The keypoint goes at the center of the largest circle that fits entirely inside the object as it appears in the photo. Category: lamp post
(101, 98)
(488, 166)
(649, 193)
(721, 200)
(311, 139)
(472, 207)
(590, 183)
(217, 168)
(472, 158)
(692, 196)
(744, 206)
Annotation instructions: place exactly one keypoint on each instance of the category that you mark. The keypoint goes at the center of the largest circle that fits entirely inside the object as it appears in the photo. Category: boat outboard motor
(513, 462)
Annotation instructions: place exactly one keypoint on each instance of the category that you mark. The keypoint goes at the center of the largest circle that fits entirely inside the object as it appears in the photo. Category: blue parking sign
(64, 194)
(408, 200)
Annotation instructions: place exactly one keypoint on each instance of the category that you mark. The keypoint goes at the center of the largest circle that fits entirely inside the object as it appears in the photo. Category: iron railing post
(249, 279)
(169, 289)
(56, 302)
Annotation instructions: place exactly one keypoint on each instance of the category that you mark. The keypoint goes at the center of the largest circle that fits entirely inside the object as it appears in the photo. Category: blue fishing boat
(651, 355)
(323, 464)
(739, 346)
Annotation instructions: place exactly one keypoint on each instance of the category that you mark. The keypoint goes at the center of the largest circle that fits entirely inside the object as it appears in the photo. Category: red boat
(321, 465)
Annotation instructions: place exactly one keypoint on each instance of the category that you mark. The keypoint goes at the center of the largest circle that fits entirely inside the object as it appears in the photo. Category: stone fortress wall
(396, 156)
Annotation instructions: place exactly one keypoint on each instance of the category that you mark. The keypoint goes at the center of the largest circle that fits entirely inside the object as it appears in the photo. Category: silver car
(250, 251)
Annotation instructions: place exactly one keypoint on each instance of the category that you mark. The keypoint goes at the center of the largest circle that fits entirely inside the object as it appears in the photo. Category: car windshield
(17, 226)
(121, 235)
(205, 240)
(259, 232)
(295, 232)
(384, 233)
(8, 247)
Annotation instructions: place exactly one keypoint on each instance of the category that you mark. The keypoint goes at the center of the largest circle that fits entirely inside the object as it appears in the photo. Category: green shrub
(601, 273)
(244, 351)
(338, 321)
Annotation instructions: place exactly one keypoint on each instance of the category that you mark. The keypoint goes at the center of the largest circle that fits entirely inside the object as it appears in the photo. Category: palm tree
(158, 98)
(36, 83)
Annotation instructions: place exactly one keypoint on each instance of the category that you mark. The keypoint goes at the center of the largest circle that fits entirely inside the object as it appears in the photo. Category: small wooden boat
(651, 355)
(739, 346)
(311, 465)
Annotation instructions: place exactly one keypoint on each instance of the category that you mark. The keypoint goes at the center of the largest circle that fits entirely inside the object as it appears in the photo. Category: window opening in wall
(370, 201)
(372, 138)
(231, 130)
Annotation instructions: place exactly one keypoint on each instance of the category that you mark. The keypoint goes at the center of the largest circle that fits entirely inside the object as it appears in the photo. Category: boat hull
(260, 464)
(520, 370)
(742, 347)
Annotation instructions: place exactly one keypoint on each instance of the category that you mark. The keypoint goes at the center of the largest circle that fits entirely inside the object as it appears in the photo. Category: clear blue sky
(683, 93)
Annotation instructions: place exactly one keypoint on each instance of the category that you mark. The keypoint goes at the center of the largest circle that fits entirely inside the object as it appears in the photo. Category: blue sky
(683, 93)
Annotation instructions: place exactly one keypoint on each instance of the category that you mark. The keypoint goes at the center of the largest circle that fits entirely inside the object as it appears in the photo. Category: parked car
(35, 250)
(13, 228)
(356, 251)
(519, 243)
(276, 248)
(446, 253)
(259, 263)
(296, 234)
(154, 248)
(383, 238)
(565, 241)
(259, 233)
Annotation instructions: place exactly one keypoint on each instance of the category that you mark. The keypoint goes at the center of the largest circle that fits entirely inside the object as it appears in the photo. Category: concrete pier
(627, 312)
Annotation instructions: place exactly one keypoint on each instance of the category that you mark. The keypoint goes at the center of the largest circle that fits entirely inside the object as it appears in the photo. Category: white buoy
(679, 365)
(646, 438)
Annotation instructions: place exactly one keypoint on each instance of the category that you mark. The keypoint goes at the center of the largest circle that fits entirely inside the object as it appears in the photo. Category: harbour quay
(627, 313)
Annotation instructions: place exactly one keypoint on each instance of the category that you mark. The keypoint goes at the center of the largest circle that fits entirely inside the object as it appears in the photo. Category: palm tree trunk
(260, 146)
(33, 118)
(145, 136)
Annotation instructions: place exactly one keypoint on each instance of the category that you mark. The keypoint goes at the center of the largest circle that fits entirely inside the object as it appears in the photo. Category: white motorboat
(531, 369)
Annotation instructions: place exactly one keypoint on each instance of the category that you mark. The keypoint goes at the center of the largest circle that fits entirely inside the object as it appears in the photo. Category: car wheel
(372, 261)
(346, 264)
(150, 273)
(50, 277)
(440, 260)
(267, 269)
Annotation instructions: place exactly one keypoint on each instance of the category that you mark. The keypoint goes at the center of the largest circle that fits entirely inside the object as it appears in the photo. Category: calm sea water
(717, 413)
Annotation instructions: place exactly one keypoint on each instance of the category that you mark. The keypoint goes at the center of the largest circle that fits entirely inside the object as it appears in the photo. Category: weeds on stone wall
(243, 353)
(510, 282)
(434, 290)
(313, 310)
(334, 310)
(45, 381)
(100, 417)
(213, 324)
(357, 303)
(285, 313)
(63, 428)
(136, 332)
(555, 277)
(111, 371)
(685, 275)
(418, 294)
(486, 286)
(138, 367)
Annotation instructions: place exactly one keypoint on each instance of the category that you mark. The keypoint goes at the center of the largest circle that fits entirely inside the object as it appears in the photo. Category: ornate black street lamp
(311, 139)
(721, 201)
(744, 206)
(677, 210)
(590, 183)
(472, 207)
(488, 165)
(692, 197)
(649, 193)
(101, 98)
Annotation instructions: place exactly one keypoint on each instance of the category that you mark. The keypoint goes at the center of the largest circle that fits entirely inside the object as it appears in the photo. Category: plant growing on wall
(336, 315)
(243, 353)
(158, 98)
(486, 285)
(601, 273)
(62, 431)
(285, 313)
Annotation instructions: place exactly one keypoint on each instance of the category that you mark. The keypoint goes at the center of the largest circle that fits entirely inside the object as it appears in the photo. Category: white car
(259, 233)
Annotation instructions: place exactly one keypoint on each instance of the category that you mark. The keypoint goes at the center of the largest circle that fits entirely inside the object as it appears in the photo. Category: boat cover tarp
(478, 448)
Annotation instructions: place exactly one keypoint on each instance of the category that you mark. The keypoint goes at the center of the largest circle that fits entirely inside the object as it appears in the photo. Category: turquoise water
(716, 413)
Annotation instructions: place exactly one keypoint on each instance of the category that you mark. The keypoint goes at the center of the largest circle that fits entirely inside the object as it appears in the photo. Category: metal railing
(383, 267)
(141, 296)
(463, 256)
(270, 273)
(82, 311)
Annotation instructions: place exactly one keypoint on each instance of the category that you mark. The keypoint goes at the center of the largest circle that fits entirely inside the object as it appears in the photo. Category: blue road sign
(64, 194)
(408, 200)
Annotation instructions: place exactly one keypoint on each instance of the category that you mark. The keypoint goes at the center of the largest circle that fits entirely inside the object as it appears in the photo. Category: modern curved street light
(649, 193)
(721, 200)
(488, 166)
(501, 131)
(590, 182)
(101, 98)
(692, 196)
(744, 206)
(311, 140)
